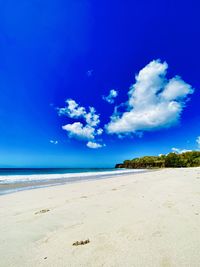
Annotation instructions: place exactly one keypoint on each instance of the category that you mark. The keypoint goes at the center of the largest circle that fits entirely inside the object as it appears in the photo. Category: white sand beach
(148, 219)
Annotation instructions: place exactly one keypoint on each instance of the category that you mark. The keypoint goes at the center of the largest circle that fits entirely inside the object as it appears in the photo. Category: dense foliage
(174, 160)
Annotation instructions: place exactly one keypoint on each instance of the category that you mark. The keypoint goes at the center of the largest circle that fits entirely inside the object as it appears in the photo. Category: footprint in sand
(156, 234)
(168, 204)
(42, 211)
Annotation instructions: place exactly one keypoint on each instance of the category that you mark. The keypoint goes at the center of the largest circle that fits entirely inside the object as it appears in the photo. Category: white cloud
(79, 131)
(180, 151)
(91, 117)
(55, 142)
(198, 141)
(110, 98)
(86, 131)
(72, 109)
(154, 101)
(99, 131)
(94, 145)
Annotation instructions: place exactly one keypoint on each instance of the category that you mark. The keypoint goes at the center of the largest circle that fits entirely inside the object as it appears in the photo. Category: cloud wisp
(110, 98)
(54, 142)
(198, 141)
(154, 101)
(180, 151)
(87, 131)
(94, 145)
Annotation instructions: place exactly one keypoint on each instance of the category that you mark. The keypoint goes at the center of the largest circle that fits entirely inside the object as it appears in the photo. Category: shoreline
(147, 219)
(14, 187)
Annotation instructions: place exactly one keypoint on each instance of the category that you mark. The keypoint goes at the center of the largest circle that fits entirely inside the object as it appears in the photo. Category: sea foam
(60, 176)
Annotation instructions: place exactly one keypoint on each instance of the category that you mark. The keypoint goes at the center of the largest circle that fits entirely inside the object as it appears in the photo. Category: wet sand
(7, 188)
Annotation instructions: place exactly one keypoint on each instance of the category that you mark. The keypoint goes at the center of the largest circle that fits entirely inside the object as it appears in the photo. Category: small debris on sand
(78, 243)
(42, 211)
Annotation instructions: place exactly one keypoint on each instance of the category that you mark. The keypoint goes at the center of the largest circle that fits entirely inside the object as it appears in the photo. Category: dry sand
(149, 219)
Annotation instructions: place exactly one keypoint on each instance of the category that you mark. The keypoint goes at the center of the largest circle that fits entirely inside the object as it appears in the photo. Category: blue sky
(53, 51)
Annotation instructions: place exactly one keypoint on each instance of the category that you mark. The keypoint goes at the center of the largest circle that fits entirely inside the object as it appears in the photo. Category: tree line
(171, 160)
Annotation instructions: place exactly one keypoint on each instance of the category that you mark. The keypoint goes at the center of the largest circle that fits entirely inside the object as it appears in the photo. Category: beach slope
(149, 219)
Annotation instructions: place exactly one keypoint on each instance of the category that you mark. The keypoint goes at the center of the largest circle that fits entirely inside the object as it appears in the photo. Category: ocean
(17, 179)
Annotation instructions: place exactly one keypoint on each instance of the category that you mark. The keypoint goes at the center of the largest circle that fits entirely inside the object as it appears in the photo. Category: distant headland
(171, 160)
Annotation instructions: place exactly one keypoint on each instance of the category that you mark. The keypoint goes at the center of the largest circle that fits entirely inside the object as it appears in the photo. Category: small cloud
(94, 145)
(111, 97)
(72, 110)
(79, 131)
(90, 72)
(92, 118)
(198, 141)
(55, 142)
(154, 101)
(180, 151)
(99, 131)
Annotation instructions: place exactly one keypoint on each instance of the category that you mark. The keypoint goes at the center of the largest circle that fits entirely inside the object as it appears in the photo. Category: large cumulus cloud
(154, 101)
